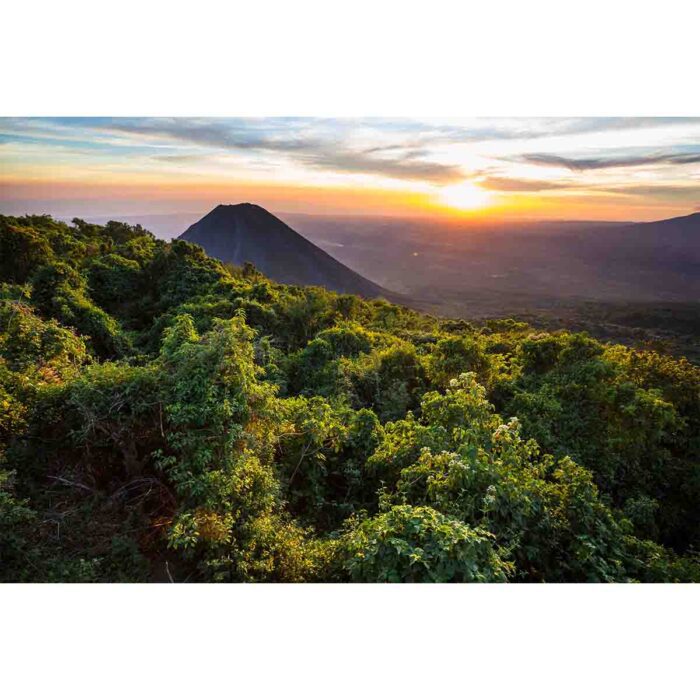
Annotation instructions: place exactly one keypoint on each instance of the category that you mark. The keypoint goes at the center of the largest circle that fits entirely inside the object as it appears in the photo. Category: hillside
(164, 417)
(657, 252)
(243, 233)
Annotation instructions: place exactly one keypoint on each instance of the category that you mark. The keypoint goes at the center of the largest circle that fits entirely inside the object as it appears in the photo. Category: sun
(464, 195)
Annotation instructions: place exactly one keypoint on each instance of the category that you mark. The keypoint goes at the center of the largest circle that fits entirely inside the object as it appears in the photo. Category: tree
(419, 545)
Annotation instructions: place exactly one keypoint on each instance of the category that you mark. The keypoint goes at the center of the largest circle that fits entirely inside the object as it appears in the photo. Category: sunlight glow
(464, 195)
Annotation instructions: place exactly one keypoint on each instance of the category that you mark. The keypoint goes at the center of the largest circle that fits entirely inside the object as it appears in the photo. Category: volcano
(240, 233)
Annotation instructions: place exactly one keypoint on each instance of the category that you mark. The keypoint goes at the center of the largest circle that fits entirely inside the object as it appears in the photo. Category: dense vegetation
(163, 417)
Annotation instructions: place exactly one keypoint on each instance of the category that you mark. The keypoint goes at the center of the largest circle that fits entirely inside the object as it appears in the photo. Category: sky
(608, 168)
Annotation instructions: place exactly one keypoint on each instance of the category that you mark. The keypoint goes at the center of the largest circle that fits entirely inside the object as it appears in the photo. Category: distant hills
(670, 247)
(491, 267)
(240, 233)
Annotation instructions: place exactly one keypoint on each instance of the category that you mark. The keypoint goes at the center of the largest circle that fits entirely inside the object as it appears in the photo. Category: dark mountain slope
(240, 233)
(656, 261)
(671, 243)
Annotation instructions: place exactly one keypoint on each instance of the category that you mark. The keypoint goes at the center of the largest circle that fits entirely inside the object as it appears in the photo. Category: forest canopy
(164, 417)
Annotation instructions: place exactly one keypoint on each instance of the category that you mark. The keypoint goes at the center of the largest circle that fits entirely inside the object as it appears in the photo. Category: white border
(313, 641)
(360, 58)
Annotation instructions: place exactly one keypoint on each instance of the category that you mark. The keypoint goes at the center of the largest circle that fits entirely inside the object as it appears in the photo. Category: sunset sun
(464, 195)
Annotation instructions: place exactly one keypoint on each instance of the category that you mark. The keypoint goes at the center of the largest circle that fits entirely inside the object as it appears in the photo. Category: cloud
(402, 168)
(601, 163)
(227, 134)
(586, 125)
(674, 192)
(508, 184)
(521, 128)
(403, 149)
(177, 158)
(293, 138)
(330, 144)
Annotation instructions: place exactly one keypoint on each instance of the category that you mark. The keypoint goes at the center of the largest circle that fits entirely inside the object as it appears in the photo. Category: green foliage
(15, 518)
(453, 356)
(634, 429)
(22, 250)
(112, 280)
(166, 417)
(389, 381)
(464, 461)
(322, 452)
(27, 342)
(420, 545)
(59, 292)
